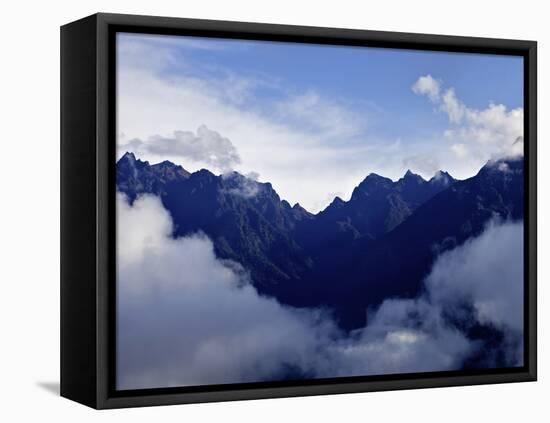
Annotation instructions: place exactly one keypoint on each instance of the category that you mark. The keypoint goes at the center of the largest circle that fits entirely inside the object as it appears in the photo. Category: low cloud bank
(185, 317)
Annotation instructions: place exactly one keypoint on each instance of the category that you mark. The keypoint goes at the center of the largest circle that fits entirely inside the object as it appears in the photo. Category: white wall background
(29, 233)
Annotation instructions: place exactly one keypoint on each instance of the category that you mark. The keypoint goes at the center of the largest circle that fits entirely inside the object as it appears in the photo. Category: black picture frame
(88, 242)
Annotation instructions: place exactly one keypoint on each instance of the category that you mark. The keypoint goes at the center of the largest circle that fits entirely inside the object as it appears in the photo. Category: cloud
(459, 150)
(245, 186)
(186, 317)
(428, 86)
(206, 146)
(325, 117)
(402, 336)
(491, 132)
(426, 164)
(486, 272)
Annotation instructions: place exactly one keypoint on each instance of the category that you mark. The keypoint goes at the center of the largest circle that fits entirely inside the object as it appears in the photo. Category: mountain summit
(135, 176)
(377, 205)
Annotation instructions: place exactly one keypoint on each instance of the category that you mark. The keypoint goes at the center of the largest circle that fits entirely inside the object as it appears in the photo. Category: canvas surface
(291, 211)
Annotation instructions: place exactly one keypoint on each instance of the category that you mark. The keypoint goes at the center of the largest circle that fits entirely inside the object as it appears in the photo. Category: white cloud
(486, 271)
(245, 186)
(427, 85)
(460, 150)
(402, 336)
(206, 147)
(491, 133)
(424, 163)
(185, 317)
(452, 106)
(495, 128)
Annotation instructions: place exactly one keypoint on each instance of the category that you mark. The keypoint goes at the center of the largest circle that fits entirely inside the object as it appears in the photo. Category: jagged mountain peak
(202, 173)
(337, 201)
(442, 178)
(130, 159)
(514, 162)
(165, 163)
(371, 183)
(135, 176)
(441, 173)
(519, 140)
(503, 168)
(128, 156)
(232, 174)
(410, 176)
(375, 177)
(169, 169)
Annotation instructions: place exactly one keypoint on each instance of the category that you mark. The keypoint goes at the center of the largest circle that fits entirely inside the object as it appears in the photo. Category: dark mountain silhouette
(245, 219)
(352, 255)
(396, 264)
(377, 205)
(135, 176)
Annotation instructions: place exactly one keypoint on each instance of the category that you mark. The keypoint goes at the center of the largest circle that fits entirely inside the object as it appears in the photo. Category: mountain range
(350, 256)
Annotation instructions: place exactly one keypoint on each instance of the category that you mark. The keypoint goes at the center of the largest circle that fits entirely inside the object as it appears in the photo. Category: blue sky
(367, 73)
(346, 111)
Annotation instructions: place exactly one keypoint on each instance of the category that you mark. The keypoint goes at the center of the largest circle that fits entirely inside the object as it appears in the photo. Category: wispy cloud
(328, 118)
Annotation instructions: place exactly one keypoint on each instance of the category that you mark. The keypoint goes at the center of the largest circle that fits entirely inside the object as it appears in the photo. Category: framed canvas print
(255, 211)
